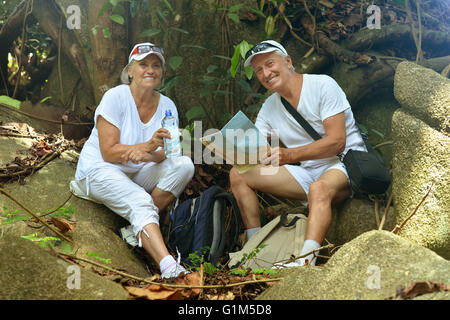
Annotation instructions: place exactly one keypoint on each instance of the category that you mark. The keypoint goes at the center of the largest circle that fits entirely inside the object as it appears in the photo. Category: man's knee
(235, 178)
(320, 191)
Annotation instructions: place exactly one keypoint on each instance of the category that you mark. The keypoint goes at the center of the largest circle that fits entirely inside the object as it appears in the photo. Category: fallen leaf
(155, 292)
(224, 296)
(191, 279)
(63, 224)
(423, 287)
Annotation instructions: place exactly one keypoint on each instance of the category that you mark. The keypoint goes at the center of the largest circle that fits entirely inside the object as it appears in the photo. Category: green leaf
(168, 6)
(45, 99)
(175, 62)
(106, 6)
(98, 257)
(117, 18)
(235, 61)
(193, 47)
(134, 8)
(180, 30)
(106, 33)
(233, 17)
(66, 247)
(236, 7)
(15, 219)
(10, 102)
(195, 113)
(222, 57)
(211, 68)
(169, 83)
(149, 33)
(239, 272)
(244, 47)
(245, 85)
(114, 2)
(378, 132)
(249, 72)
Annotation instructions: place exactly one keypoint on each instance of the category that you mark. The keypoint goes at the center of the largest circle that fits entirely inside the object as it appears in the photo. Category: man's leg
(243, 186)
(332, 187)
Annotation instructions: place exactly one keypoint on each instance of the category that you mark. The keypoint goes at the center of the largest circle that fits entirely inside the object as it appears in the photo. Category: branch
(399, 227)
(168, 285)
(35, 216)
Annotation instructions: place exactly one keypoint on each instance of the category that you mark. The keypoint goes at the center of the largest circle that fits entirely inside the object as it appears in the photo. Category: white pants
(129, 194)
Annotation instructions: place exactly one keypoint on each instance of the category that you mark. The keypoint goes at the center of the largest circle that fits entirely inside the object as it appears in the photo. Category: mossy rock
(30, 272)
(354, 217)
(424, 93)
(372, 266)
(421, 156)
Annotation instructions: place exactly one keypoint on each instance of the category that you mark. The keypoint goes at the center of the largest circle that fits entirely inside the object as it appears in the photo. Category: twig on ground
(35, 216)
(399, 227)
(124, 274)
(386, 210)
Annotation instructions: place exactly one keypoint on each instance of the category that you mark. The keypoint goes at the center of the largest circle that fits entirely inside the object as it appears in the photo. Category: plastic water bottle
(172, 147)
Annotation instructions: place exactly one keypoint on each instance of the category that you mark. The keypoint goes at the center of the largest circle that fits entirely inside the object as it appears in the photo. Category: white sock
(167, 263)
(308, 246)
(251, 232)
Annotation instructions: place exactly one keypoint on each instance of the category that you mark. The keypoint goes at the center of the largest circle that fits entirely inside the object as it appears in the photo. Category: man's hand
(277, 157)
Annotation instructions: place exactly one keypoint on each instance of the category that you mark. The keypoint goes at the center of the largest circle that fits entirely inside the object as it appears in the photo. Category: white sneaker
(174, 272)
(127, 234)
(298, 263)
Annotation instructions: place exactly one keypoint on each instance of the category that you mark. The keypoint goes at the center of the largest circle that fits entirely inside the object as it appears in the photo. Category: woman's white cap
(148, 48)
(273, 46)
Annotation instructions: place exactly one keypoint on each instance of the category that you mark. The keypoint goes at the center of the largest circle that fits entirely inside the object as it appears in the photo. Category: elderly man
(321, 179)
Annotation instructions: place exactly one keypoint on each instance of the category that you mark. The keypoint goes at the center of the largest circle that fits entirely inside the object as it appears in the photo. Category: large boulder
(31, 272)
(425, 93)
(96, 229)
(420, 156)
(372, 266)
(355, 217)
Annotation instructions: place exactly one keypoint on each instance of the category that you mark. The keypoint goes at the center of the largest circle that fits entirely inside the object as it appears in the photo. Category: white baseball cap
(139, 52)
(263, 47)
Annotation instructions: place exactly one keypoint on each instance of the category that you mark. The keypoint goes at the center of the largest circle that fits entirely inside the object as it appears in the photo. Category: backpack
(278, 241)
(198, 225)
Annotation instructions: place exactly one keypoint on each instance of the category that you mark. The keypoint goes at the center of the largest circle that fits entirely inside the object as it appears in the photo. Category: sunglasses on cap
(145, 48)
(260, 47)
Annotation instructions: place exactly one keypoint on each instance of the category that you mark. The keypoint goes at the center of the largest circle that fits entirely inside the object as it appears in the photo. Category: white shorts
(129, 194)
(305, 176)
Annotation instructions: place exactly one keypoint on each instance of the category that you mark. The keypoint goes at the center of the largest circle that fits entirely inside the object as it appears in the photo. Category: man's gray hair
(284, 56)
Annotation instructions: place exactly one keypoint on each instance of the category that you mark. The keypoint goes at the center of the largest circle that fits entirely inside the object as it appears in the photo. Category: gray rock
(421, 155)
(30, 272)
(355, 217)
(372, 266)
(425, 93)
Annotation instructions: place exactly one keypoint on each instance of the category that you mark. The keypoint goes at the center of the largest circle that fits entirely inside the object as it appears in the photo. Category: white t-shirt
(118, 108)
(321, 98)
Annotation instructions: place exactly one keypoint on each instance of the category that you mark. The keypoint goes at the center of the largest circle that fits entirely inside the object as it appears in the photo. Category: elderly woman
(122, 164)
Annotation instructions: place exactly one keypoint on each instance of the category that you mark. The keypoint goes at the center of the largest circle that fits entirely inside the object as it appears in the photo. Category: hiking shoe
(127, 234)
(298, 263)
(174, 272)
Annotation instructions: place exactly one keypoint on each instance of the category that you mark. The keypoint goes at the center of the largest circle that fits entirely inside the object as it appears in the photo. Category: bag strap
(284, 221)
(305, 125)
(234, 242)
(297, 116)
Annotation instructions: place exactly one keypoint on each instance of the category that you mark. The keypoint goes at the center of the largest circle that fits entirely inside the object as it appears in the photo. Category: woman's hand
(277, 157)
(158, 138)
(146, 152)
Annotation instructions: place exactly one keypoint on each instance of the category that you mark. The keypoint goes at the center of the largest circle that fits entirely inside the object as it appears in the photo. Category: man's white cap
(273, 46)
(135, 55)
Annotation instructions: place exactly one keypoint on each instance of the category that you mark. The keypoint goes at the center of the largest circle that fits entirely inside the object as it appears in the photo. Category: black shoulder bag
(367, 170)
